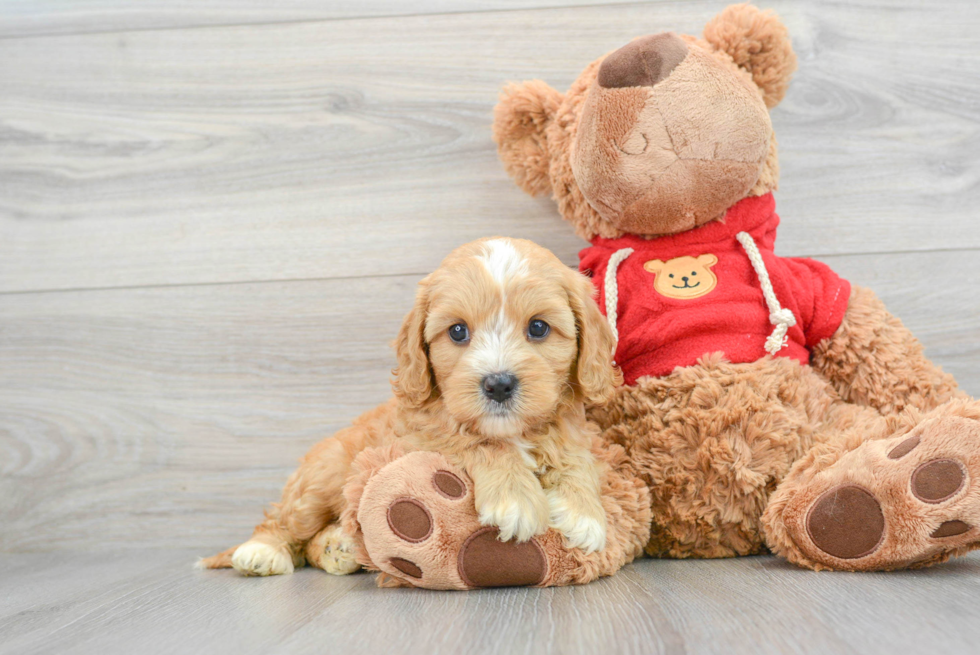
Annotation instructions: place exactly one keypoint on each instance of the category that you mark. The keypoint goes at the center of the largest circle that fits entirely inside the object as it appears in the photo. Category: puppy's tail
(220, 561)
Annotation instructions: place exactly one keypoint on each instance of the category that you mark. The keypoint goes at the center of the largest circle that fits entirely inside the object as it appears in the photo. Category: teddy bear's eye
(671, 275)
(694, 272)
(636, 144)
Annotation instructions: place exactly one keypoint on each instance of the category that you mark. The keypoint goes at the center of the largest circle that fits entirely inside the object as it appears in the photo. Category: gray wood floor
(212, 217)
(148, 601)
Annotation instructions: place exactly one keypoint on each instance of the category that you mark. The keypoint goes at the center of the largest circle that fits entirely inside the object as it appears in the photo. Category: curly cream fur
(439, 405)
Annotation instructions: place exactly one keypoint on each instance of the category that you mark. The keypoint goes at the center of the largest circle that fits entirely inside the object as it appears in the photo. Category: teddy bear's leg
(332, 550)
(891, 493)
(413, 518)
(876, 361)
(713, 441)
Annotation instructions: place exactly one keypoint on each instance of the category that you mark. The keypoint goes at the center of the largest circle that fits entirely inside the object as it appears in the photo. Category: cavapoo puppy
(496, 362)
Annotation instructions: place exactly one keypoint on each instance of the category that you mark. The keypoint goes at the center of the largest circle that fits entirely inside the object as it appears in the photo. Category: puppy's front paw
(256, 558)
(519, 511)
(583, 524)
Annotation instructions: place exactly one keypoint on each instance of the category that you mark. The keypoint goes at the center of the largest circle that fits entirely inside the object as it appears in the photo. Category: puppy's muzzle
(499, 387)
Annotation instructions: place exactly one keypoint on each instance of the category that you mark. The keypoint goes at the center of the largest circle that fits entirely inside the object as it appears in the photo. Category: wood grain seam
(311, 21)
(418, 274)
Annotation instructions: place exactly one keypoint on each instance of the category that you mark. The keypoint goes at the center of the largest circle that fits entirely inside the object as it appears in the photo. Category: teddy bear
(767, 405)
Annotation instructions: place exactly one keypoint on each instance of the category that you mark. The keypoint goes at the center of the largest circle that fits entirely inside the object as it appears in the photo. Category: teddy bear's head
(657, 137)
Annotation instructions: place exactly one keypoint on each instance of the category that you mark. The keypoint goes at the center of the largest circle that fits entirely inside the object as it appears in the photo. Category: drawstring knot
(782, 318)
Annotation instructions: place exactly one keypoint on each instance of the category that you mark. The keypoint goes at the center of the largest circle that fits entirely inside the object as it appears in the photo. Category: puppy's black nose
(499, 386)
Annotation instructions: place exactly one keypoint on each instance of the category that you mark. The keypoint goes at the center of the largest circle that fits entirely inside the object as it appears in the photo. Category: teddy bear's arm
(874, 360)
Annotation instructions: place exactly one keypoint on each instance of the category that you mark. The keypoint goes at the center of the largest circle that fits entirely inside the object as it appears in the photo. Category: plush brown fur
(495, 287)
(905, 378)
(756, 41)
(736, 456)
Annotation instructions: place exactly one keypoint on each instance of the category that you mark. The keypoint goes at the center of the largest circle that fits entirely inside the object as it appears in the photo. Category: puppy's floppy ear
(413, 381)
(520, 120)
(594, 374)
(758, 42)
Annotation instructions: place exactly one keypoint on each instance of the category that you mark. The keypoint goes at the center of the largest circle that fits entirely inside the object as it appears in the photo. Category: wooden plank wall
(212, 218)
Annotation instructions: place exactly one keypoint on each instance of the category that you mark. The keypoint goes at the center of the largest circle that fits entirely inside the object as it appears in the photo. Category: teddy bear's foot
(908, 501)
(419, 525)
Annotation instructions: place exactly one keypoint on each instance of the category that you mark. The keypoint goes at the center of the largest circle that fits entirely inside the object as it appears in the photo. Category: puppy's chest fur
(531, 456)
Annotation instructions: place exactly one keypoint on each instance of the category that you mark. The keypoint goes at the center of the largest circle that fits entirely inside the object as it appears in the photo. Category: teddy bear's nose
(643, 62)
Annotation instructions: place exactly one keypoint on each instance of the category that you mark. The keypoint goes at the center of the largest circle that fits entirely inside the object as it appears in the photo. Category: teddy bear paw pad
(846, 522)
(409, 520)
(485, 561)
(898, 502)
(420, 525)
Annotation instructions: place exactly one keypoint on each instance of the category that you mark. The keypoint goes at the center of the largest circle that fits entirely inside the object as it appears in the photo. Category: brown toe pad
(938, 480)
(485, 561)
(410, 520)
(904, 448)
(407, 567)
(846, 522)
(449, 484)
(950, 529)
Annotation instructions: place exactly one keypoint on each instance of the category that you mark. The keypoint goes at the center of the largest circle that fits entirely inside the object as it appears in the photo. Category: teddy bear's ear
(519, 122)
(758, 42)
(653, 266)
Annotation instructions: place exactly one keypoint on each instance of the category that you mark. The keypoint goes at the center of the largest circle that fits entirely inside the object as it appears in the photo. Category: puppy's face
(502, 337)
(503, 333)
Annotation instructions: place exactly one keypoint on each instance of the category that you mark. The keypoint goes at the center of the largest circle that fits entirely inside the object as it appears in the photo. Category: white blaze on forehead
(494, 345)
(502, 261)
(492, 349)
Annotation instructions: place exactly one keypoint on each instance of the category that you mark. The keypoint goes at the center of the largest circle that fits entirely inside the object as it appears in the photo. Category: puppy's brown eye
(459, 333)
(538, 329)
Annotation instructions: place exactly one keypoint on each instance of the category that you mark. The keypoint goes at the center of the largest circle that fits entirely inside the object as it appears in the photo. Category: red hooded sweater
(685, 295)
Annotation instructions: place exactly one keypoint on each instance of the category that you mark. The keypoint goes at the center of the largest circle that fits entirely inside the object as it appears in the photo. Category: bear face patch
(683, 278)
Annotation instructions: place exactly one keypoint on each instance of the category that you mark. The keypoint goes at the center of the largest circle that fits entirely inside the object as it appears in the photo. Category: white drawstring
(612, 291)
(783, 319)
